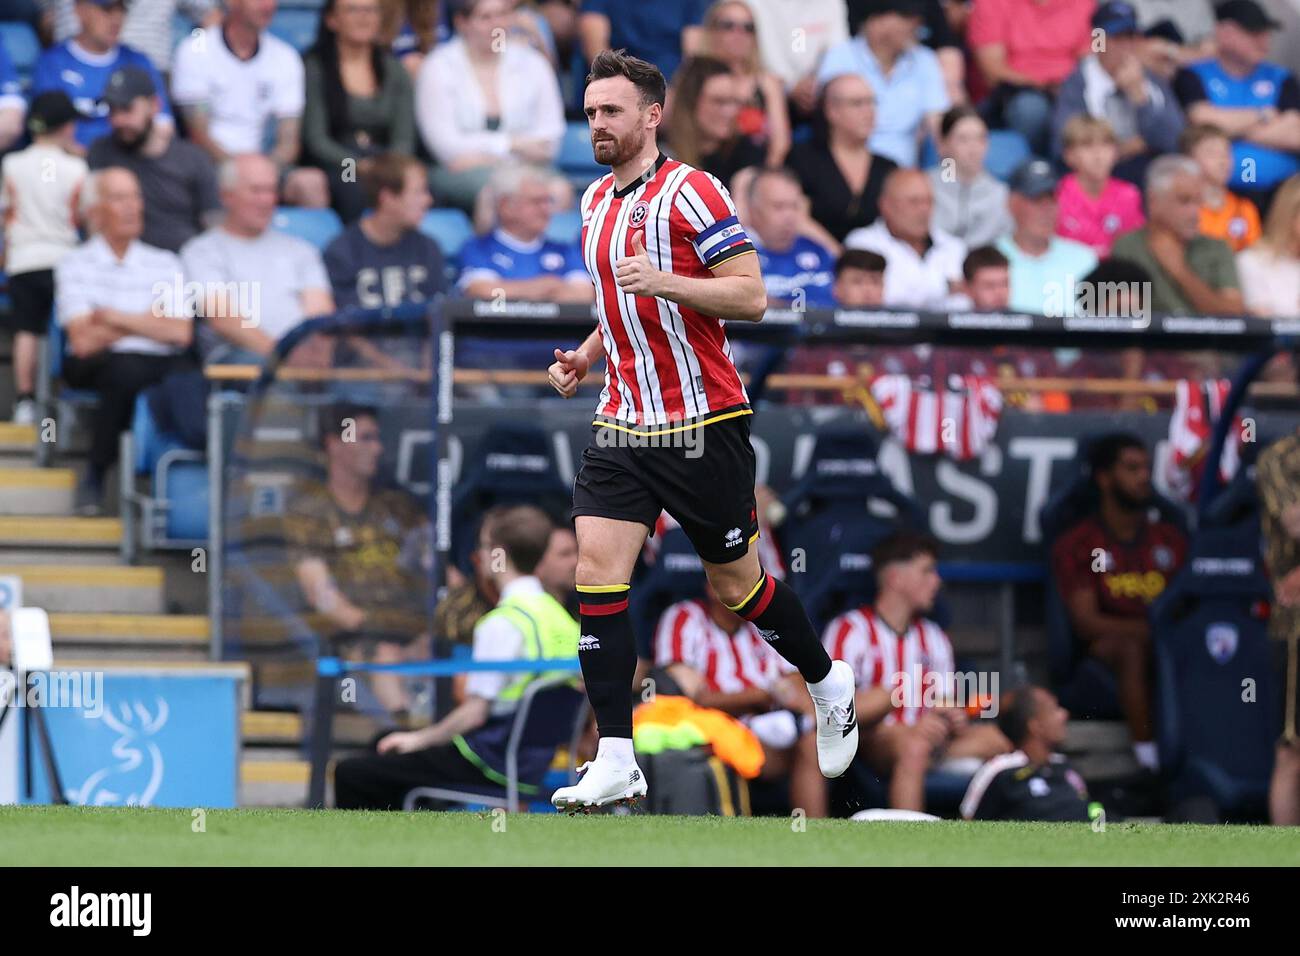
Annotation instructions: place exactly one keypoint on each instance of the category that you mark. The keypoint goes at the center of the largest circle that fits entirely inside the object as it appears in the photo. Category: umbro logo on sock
(853, 721)
(588, 642)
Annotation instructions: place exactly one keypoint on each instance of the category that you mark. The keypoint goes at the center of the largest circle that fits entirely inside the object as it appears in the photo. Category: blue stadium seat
(450, 228)
(1083, 684)
(22, 45)
(575, 159)
(296, 26)
(317, 226)
(831, 526)
(565, 226)
(1211, 642)
(1007, 150)
(174, 513)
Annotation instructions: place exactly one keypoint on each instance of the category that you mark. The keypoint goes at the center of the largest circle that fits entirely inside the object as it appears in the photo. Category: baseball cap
(1247, 14)
(126, 84)
(1033, 179)
(49, 111)
(1116, 18)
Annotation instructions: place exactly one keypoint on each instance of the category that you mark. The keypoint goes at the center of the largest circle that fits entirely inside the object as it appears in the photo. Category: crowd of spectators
(1154, 134)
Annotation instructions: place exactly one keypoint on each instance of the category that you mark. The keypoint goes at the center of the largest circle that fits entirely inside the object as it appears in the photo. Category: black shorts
(1286, 672)
(702, 475)
(31, 297)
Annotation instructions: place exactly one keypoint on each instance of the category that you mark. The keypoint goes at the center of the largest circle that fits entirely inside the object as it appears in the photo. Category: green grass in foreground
(85, 836)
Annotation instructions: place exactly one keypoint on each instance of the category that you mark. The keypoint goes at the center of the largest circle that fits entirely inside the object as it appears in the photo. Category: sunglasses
(729, 25)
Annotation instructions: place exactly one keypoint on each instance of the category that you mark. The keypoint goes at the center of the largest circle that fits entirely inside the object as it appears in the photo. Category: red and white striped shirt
(730, 663)
(665, 363)
(882, 658)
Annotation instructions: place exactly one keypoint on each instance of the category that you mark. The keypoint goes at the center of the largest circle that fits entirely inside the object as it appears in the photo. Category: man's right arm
(1092, 624)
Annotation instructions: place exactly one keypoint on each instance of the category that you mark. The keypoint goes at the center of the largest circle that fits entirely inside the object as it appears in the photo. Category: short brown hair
(1197, 133)
(386, 173)
(522, 531)
(903, 545)
(983, 257)
(1082, 129)
(862, 259)
(646, 77)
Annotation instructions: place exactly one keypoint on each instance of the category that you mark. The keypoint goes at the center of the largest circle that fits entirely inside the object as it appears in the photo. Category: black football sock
(773, 608)
(608, 655)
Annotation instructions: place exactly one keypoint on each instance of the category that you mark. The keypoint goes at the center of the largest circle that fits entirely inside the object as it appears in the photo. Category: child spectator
(41, 186)
(969, 203)
(1224, 214)
(1095, 207)
(859, 280)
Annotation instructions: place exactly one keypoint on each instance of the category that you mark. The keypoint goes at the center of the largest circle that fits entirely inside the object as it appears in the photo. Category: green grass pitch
(84, 836)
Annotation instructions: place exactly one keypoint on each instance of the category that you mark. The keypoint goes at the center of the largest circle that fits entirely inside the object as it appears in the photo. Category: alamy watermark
(972, 691)
(689, 438)
(80, 690)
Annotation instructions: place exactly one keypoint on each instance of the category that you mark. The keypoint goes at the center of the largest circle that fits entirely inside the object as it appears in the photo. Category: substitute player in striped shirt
(670, 262)
(903, 663)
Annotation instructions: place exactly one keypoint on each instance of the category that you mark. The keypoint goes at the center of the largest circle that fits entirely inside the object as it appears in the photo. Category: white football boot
(837, 725)
(601, 785)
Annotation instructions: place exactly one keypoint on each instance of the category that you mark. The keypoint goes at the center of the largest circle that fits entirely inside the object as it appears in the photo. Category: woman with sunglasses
(732, 37)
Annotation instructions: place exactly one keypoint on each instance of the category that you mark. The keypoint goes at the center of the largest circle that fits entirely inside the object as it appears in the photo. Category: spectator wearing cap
(1254, 101)
(13, 106)
(796, 270)
(121, 304)
(383, 260)
(859, 280)
(360, 102)
(1224, 214)
(516, 259)
(1045, 267)
(1026, 49)
(1191, 274)
(82, 65)
(39, 188)
(969, 203)
(840, 173)
(1188, 24)
(904, 76)
(1270, 269)
(923, 265)
(1113, 85)
(177, 178)
(233, 81)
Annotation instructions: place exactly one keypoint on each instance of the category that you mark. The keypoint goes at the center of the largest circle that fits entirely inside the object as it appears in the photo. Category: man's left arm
(1281, 131)
(468, 716)
(735, 291)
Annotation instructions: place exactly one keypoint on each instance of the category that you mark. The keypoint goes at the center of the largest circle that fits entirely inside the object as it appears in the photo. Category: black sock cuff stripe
(604, 594)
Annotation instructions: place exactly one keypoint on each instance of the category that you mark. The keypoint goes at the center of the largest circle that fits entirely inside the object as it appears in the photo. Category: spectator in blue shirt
(905, 76)
(797, 271)
(81, 66)
(657, 32)
(383, 260)
(1256, 102)
(516, 260)
(12, 105)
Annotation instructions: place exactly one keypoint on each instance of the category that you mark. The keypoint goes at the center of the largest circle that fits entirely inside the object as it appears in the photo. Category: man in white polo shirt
(232, 80)
(121, 306)
(922, 265)
(257, 283)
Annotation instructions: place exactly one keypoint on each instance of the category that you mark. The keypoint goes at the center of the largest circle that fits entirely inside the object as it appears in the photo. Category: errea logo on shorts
(734, 537)
(588, 642)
